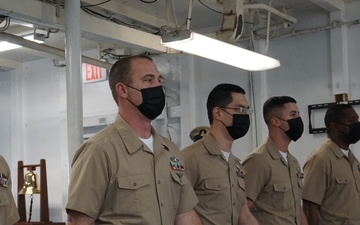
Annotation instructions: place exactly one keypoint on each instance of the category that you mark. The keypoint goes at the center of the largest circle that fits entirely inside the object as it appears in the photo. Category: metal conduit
(49, 49)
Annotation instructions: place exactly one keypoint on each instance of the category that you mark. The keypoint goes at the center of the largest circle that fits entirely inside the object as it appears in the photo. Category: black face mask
(296, 128)
(240, 125)
(153, 101)
(354, 134)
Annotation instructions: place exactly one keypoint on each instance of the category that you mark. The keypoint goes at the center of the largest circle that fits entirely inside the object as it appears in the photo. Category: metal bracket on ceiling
(232, 24)
(57, 9)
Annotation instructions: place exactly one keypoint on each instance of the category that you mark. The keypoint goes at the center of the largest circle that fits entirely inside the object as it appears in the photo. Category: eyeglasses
(241, 110)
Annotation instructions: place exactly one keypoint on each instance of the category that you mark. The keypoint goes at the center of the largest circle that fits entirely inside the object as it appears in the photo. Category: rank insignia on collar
(3, 181)
(175, 164)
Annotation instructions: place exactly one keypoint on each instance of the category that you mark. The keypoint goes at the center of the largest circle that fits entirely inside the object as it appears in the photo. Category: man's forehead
(350, 112)
(290, 106)
(239, 99)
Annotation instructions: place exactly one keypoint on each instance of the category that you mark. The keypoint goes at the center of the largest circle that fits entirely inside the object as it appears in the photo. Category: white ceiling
(151, 16)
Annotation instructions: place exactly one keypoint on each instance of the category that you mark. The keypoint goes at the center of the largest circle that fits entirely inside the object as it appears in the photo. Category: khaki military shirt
(8, 211)
(218, 184)
(116, 179)
(273, 185)
(333, 182)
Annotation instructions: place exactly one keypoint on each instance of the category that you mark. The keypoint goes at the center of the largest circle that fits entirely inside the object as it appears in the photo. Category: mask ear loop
(279, 123)
(227, 113)
(134, 89)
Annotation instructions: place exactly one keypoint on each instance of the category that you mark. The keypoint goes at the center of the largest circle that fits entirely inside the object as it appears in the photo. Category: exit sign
(91, 73)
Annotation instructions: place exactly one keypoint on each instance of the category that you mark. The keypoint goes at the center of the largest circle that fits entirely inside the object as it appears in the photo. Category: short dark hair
(221, 96)
(335, 113)
(273, 104)
(121, 72)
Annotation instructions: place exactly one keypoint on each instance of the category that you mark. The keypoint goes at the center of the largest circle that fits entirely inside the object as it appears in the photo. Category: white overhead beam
(9, 64)
(137, 15)
(32, 11)
(101, 30)
(94, 28)
(330, 5)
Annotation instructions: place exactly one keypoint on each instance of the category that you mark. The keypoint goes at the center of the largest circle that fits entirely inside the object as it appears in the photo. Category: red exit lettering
(93, 73)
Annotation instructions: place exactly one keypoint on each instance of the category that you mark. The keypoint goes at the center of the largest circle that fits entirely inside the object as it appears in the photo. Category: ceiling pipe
(49, 49)
(232, 23)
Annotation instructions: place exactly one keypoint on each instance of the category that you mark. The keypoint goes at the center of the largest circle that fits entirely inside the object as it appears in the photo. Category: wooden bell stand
(44, 202)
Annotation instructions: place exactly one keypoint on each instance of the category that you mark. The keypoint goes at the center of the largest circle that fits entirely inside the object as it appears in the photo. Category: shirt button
(161, 204)
(158, 181)
(135, 183)
(233, 203)
(219, 186)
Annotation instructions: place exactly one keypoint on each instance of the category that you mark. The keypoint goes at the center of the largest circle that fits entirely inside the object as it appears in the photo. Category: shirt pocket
(241, 184)
(216, 193)
(133, 194)
(300, 184)
(4, 197)
(179, 179)
(282, 196)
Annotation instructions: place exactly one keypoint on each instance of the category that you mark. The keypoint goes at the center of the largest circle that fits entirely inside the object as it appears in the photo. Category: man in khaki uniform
(127, 173)
(213, 171)
(273, 176)
(8, 211)
(332, 177)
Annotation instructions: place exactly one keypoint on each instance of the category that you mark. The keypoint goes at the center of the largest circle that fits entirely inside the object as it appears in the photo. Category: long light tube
(197, 44)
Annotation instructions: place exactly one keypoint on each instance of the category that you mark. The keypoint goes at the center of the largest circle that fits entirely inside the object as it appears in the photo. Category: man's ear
(333, 126)
(121, 90)
(216, 113)
(275, 121)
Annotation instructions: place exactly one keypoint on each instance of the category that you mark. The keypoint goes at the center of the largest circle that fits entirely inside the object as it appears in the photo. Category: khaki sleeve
(88, 181)
(190, 165)
(256, 175)
(7, 203)
(188, 199)
(315, 176)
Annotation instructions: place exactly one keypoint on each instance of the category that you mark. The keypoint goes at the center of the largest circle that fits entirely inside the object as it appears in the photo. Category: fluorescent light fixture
(6, 46)
(197, 44)
(31, 38)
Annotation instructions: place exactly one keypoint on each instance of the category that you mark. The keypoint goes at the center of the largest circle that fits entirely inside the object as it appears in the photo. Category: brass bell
(30, 183)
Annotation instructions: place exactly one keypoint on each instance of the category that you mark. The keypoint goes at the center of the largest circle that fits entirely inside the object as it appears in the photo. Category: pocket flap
(178, 177)
(282, 187)
(216, 184)
(343, 180)
(133, 182)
